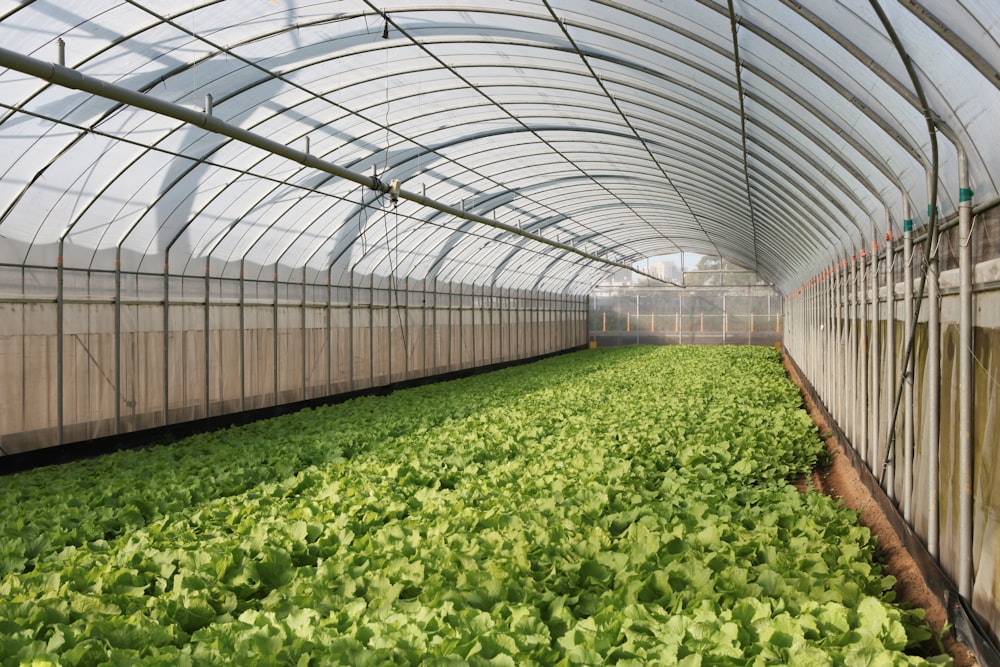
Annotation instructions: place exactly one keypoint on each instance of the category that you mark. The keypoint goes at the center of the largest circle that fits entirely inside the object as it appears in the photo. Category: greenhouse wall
(830, 324)
(236, 345)
(693, 315)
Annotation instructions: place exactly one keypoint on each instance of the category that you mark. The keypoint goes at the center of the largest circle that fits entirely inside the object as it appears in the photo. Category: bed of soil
(840, 480)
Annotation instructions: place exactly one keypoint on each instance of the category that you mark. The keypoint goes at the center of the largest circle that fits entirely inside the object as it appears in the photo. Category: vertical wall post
(329, 331)
(874, 361)
(843, 365)
(303, 338)
(207, 341)
(907, 500)
(865, 375)
(274, 337)
(243, 329)
(434, 324)
(350, 326)
(450, 329)
(388, 327)
(371, 330)
(166, 337)
(423, 328)
(932, 439)
(118, 339)
(60, 348)
(890, 362)
(966, 385)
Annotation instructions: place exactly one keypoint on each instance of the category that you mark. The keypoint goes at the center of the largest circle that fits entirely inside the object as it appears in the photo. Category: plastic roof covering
(612, 126)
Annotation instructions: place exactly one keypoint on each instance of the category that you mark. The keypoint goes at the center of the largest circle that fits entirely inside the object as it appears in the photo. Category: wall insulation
(232, 345)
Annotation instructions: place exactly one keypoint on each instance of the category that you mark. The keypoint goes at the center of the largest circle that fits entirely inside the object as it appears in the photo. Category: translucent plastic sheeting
(611, 127)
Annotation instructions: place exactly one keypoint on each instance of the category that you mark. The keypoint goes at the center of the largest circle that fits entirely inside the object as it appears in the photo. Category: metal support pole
(243, 329)
(207, 342)
(60, 348)
(118, 340)
(843, 401)
(304, 340)
(75, 80)
(405, 311)
(329, 331)
(864, 368)
(472, 326)
(450, 329)
(388, 330)
(890, 360)
(274, 337)
(908, 431)
(350, 325)
(680, 317)
(932, 439)
(371, 330)
(434, 325)
(875, 360)
(725, 320)
(166, 338)
(966, 387)
(423, 329)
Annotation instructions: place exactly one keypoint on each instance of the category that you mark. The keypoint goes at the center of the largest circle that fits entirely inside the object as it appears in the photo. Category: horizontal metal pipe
(70, 78)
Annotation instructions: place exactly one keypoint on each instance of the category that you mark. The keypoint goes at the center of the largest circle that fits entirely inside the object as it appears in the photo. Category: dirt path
(841, 481)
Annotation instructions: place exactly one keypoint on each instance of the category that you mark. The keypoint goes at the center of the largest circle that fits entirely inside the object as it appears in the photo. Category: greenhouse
(495, 333)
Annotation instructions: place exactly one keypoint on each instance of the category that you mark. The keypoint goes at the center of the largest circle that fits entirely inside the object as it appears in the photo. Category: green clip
(907, 225)
(964, 194)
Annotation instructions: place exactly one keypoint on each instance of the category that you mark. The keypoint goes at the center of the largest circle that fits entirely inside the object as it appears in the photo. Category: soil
(840, 480)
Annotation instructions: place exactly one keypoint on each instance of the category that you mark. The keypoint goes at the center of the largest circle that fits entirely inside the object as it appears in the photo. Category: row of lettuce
(625, 507)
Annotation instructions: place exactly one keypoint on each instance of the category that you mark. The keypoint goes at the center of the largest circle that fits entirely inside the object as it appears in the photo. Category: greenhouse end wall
(87, 360)
(692, 315)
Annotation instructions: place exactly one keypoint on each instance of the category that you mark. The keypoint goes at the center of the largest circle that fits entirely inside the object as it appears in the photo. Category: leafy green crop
(624, 507)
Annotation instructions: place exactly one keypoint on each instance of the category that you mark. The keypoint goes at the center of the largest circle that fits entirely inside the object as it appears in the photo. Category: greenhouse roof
(536, 143)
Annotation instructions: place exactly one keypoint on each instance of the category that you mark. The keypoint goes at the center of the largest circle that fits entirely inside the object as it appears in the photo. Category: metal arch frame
(891, 82)
(467, 82)
(790, 94)
(583, 57)
(272, 76)
(71, 79)
(712, 46)
(460, 235)
(874, 190)
(860, 205)
(984, 67)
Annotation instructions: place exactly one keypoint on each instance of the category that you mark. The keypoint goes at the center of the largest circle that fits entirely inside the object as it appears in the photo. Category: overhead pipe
(70, 78)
